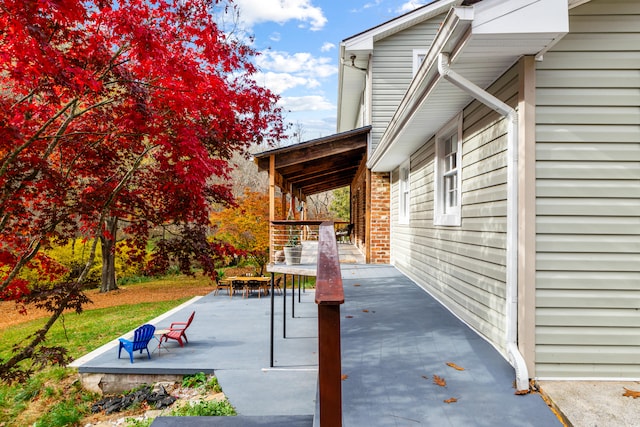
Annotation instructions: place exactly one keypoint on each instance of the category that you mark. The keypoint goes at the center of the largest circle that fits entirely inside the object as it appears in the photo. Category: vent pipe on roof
(513, 353)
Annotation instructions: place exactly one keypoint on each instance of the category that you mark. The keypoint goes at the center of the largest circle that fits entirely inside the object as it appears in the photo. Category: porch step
(238, 421)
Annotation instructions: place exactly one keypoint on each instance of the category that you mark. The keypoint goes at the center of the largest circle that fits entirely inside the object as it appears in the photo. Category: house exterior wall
(465, 266)
(587, 196)
(391, 71)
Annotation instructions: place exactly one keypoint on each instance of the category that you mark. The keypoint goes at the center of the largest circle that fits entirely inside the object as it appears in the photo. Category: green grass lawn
(82, 333)
(52, 397)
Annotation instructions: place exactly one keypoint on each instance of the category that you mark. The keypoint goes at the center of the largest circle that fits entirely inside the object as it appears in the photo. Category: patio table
(245, 280)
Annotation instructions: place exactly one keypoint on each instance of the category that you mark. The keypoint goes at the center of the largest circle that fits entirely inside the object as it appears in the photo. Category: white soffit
(500, 33)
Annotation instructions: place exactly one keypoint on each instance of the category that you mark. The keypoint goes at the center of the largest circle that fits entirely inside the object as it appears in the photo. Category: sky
(299, 41)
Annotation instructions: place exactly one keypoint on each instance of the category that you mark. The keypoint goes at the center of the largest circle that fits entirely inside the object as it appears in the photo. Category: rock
(159, 399)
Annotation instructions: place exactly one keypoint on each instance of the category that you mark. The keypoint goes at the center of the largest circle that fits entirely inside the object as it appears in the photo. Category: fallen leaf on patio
(451, 400)
(454, 366)
(521, 392)
(439, 381)
(631, 393)
(365, 311)
(349, 316)
(356, 284)
(425, 377)
(344, 377)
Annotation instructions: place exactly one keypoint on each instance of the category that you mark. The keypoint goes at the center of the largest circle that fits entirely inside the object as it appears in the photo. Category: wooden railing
(329, 297)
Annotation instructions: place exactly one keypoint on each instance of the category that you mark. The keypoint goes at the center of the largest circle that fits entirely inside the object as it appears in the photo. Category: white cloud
(412, 4)
(281, 11)
(275, 37)
(306, 103)
(280, 82)
(297, 63)
(366, 6)
(326, 47)
(372, 4)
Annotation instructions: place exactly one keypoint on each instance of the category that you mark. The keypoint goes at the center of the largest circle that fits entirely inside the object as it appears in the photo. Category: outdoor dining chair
(344, 234)
(239, 286)
(277, 285)
(255, 285)
(223, 284)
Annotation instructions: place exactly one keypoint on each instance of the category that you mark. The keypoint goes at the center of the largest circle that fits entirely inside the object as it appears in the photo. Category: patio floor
(395, 338)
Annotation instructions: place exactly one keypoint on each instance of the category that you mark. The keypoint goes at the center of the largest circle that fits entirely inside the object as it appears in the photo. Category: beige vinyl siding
(392, 65)
(588, 196)
(464, 267)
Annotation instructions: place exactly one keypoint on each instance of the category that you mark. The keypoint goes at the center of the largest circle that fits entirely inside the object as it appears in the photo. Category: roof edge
(398, 23)
(333, 137)
(454, 29)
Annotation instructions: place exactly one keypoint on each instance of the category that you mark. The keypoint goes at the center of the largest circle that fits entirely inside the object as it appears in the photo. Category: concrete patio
(395, 338)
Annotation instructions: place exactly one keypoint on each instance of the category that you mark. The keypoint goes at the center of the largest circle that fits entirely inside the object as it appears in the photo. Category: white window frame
(404, 192)
(419, 55)
(448, 175)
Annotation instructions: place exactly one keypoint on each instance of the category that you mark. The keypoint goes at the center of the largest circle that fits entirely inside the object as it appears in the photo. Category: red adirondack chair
(177, 331)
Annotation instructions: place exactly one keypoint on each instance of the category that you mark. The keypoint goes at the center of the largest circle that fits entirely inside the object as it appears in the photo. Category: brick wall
(379, 239)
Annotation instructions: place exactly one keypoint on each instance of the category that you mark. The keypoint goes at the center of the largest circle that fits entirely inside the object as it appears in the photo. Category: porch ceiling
(318, 165)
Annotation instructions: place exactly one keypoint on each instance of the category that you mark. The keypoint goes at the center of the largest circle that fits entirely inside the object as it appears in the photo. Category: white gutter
(513, 353)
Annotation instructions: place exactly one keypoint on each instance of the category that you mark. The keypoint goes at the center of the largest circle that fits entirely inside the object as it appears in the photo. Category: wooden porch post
(272, 202)
(367, 217)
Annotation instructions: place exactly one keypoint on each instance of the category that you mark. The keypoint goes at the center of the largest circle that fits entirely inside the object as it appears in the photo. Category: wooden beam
(320, 152)
(328, 162)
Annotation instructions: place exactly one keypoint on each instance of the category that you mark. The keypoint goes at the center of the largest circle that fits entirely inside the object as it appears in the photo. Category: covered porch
(316, 166)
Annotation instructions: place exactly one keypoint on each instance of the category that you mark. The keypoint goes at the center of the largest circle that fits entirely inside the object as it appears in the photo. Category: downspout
(513, 353)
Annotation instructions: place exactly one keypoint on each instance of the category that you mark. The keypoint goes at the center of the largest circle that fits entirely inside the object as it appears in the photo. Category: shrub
(205, 409)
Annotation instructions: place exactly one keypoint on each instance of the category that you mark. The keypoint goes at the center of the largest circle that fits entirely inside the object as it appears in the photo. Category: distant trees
(340, 205)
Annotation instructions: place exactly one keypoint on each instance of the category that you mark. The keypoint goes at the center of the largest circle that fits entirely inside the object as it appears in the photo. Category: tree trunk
(108, 244)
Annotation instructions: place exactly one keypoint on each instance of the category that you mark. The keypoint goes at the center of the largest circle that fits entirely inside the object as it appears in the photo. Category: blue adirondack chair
(141, 338)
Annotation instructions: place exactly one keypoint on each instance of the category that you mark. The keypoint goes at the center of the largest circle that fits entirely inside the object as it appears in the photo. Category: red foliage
(128, 110)
(15, 291)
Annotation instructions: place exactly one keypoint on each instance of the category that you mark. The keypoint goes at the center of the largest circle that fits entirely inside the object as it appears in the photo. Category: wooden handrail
(329, 296)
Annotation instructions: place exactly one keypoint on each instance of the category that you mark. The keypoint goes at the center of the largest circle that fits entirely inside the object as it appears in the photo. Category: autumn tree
(340, 206)
(114, 115)
(246, 226)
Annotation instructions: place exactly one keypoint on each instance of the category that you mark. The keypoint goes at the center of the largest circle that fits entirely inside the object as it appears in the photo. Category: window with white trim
(447, 174)
(419, 56)
(404, 192)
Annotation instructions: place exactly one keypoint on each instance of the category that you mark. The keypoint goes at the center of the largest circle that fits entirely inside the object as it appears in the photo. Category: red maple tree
(114, 113)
